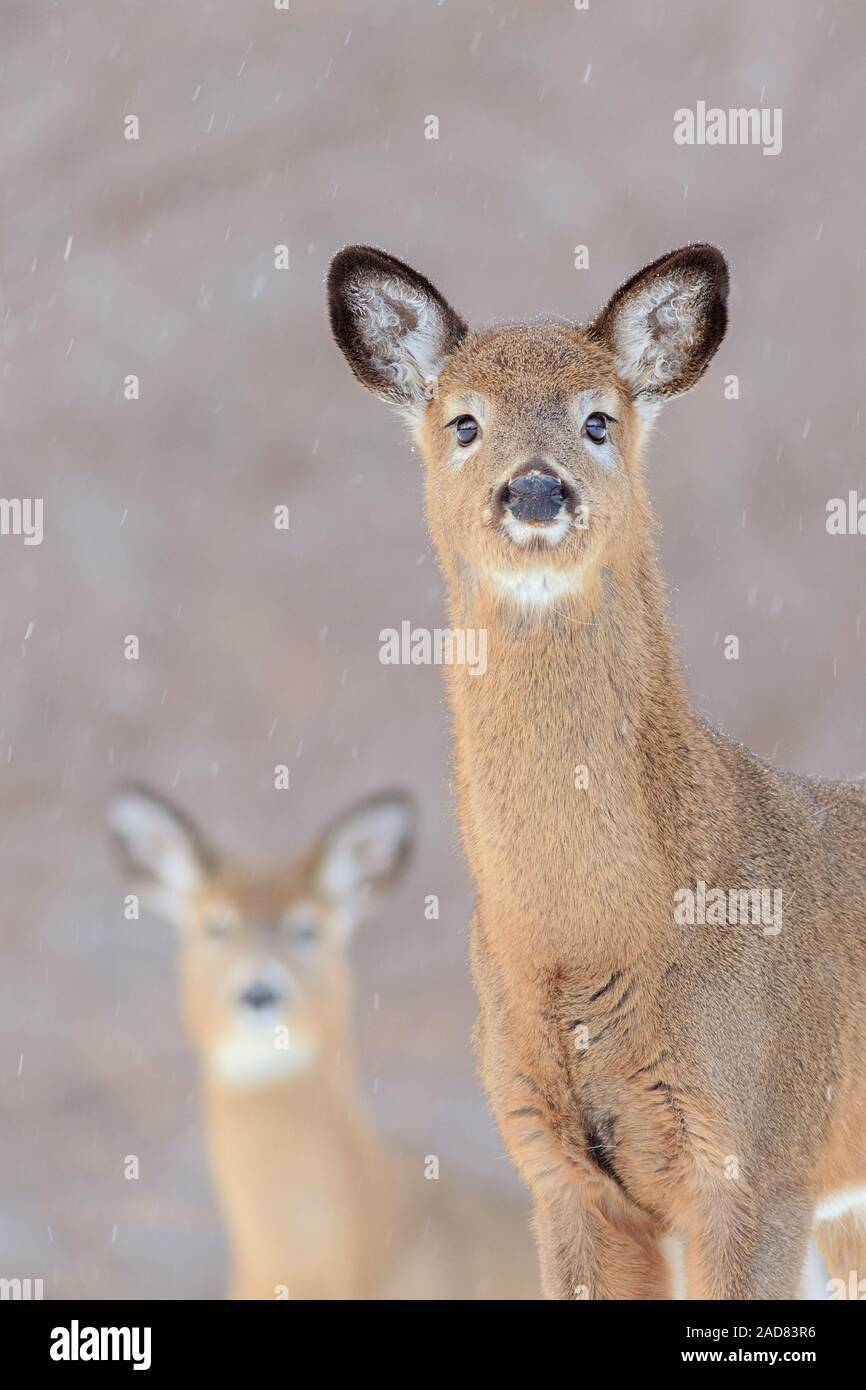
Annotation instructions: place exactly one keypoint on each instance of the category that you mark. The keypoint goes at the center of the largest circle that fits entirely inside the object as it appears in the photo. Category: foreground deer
(316, 1204)
(684, 1101)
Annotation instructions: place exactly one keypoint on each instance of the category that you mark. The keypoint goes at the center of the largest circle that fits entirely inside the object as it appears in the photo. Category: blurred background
(156, 257)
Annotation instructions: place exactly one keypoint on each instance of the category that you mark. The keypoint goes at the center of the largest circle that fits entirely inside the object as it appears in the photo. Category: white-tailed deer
(672, 1093)
(316, 1204)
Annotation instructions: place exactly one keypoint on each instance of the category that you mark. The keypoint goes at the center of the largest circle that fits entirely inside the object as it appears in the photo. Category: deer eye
(301, 926)
(220, 923)
(596, 427)
(466, 429)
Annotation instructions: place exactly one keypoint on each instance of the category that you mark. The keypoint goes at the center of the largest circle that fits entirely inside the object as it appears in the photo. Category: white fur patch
(813, 1282)
(648, 409)
(250, 1057)
(850, 1202)
(522, 533)
(536, 588)
(674, 1255)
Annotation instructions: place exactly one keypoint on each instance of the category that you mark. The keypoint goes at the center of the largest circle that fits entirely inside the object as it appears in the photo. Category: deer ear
(365, 850)
(664, 324)
(394, 329)
(161, 850)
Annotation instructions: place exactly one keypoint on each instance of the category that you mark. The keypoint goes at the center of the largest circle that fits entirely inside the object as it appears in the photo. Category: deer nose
(259, 996)
(535, 495)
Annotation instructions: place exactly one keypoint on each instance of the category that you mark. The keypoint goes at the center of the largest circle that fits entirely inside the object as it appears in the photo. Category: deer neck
(570, 753)
(305, 1119)
(301, 1175)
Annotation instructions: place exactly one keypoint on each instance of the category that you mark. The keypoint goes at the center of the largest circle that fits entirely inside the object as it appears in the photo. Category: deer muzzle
(536, 496)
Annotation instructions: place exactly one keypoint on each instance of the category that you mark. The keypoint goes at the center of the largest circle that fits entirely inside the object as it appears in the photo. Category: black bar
(259, 1340)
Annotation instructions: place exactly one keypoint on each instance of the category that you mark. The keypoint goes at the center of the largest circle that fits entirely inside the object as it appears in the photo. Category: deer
(685, 1099)
(317, 1204)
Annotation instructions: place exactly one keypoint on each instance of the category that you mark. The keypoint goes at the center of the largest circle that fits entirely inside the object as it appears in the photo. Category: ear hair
(392, 325)
(664, 325)
(161, 849)
(367, 848)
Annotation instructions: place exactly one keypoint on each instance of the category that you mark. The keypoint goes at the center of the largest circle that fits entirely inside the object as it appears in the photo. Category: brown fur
(720, 1094)
(316, 1204)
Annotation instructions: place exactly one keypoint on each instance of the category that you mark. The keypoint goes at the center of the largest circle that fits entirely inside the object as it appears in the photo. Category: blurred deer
(683, 1088)
(316, 1204)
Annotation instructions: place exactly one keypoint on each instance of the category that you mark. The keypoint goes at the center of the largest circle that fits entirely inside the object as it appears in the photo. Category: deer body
(579, 935)
(316, 1204)
(665, 1090)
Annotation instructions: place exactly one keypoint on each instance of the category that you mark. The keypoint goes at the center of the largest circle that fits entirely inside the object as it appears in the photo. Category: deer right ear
(365, 850)
(394, 329)
(664, 324)
(162, 852)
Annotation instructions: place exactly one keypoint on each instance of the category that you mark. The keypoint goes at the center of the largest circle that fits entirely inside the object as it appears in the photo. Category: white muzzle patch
(525, 533)
(257, 1057)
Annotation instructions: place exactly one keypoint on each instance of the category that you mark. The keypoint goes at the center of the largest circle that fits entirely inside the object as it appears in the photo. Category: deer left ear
(163, 854)
(365, 850)
(664, 325)
(393, 327)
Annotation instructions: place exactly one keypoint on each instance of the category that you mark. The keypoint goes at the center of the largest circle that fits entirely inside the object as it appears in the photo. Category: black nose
(534, 496)
(259, 996)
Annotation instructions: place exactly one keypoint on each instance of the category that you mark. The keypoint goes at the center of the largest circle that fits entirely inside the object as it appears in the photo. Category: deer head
(530, 433)
(264, 974)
